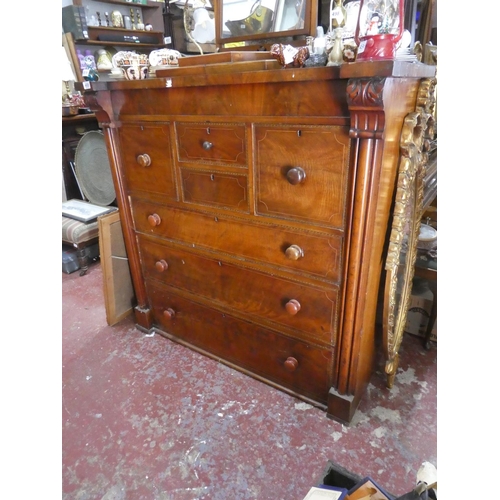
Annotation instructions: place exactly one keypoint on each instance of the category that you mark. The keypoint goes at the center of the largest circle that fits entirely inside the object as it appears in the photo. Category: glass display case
(242, 20)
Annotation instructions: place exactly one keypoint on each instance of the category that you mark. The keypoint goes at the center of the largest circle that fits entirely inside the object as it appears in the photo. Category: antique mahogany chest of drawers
(255, 206)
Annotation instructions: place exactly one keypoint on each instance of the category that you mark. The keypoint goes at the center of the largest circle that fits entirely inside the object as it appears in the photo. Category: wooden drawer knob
(154, 220)
(294, 252)
(169, 313)
(144, 160)
(291, 364)
(292, 307)
(207, 145)
(161, 266)
(296, 175)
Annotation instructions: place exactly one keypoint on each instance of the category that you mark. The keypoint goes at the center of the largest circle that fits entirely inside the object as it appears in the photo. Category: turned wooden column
(365, 101)
(102, 107)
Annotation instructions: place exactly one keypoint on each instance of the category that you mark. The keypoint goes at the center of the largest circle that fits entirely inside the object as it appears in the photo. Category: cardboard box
(368, 489)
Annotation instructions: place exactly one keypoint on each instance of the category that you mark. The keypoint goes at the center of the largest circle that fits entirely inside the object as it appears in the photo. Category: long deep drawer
(293, 364)
(313, 253)
(307, 310)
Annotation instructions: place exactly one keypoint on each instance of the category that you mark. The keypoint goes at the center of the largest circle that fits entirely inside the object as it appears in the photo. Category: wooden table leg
(432, 316)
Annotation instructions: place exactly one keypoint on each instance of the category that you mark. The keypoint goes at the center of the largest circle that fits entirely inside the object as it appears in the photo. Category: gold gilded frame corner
(418, 130)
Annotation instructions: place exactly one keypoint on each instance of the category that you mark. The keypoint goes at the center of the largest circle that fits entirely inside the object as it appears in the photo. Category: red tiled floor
(146, 418)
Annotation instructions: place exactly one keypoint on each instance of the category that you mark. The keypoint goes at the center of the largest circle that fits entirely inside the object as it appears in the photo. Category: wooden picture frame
(119, 295)
(84, 211)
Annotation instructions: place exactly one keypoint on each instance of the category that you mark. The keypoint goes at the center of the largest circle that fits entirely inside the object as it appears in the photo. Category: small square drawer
(213, 143)
(293, 364)
(221, 190)
(302, 173)
(147, 159)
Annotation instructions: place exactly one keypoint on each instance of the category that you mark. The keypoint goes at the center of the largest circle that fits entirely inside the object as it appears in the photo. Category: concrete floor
(146, 418)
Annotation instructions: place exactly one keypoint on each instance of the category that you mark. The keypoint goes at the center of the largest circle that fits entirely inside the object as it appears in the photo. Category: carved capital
(98, 106)
(364, 97)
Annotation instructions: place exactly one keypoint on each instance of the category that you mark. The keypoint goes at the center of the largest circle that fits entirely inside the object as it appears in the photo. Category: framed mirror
(418, 130)
(402, 250)
(247, 20)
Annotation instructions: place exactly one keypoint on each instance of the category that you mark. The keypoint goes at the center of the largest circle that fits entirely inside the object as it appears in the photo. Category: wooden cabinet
(255, 207)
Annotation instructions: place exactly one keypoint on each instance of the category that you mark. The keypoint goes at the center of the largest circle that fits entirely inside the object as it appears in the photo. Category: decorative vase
(117, 19)
(335, 57)
(338, 15)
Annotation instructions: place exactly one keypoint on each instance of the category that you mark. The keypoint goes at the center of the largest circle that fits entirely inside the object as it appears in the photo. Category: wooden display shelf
(97, 31)
(120, 44)
(79, 118)
(149, 5)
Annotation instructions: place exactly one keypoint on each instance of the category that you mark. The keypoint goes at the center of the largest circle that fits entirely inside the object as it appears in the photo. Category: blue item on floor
(70, 262)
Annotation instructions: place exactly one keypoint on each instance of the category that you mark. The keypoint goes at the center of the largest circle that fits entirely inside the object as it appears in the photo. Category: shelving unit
(97, 36)
(151, 13)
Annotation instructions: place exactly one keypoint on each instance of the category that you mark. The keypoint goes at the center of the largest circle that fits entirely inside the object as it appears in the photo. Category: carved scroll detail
(365, 92)
(102, 112)
(418, 130)
(365, 100)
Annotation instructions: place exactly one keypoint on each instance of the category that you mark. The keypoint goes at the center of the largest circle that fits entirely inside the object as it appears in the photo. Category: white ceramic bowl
(133, 66)
(427, 237)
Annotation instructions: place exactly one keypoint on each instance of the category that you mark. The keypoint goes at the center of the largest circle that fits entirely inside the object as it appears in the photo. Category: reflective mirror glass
(259, 19)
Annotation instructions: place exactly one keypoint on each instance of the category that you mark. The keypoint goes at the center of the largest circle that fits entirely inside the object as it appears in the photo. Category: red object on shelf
(378, 32)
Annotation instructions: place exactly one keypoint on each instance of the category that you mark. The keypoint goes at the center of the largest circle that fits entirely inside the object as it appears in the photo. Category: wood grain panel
(241, 343)
(219, 190)
(154, 141)
(251, 240)
(323, 155)
(209, 142)
(257, 294)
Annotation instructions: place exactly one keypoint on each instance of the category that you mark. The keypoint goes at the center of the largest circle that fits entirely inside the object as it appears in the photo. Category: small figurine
(117, 19)
(103, 60)
(132, 18)
(373, 27)
(99, 18)
(81, 58)
(336, 57)
(107, 18)
(88, 60)
(289, 56)
(140, 24)
(89, 72)
(338, 15)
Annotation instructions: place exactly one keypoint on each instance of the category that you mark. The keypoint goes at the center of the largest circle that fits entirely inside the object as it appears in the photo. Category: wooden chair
(80, 235)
